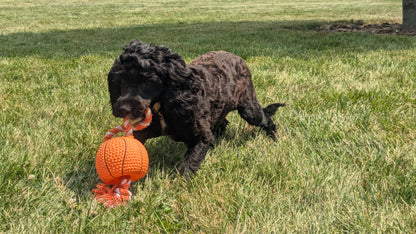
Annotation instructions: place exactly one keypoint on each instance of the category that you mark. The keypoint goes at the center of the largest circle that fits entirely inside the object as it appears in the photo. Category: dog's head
(139, 77)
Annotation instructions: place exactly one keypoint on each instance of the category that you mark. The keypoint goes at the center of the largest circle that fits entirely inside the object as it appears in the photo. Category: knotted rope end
(113, 196)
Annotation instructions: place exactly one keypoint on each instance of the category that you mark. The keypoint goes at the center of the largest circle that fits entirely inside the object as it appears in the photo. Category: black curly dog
(189, 102)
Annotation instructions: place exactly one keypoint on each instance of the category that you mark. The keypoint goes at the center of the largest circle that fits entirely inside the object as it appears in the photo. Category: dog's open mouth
(135, 115)
(131, 113)
(135, 121)
(133, 109)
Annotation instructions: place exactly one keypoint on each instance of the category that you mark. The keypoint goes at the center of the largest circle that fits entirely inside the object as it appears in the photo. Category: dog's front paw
(185, 171)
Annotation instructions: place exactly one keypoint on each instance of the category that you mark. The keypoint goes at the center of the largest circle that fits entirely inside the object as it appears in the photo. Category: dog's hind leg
(254, 114)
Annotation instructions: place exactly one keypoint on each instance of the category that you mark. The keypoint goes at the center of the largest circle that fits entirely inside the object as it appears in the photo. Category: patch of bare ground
(359, 26)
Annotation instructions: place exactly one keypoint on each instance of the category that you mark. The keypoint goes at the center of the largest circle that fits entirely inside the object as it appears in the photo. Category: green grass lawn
(345, 160)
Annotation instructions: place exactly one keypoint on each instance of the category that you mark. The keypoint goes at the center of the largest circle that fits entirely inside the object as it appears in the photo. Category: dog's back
(226, 74)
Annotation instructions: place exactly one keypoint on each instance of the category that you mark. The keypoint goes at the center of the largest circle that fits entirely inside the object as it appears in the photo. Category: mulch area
(384, 28)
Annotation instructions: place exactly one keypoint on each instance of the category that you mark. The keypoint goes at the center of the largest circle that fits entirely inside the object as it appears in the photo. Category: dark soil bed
(384, 28)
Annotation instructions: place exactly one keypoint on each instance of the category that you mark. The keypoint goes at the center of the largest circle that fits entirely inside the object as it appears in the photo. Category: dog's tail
(271, 109)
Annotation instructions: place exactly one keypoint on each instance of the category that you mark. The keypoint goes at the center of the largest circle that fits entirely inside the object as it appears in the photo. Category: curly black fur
(194, 99)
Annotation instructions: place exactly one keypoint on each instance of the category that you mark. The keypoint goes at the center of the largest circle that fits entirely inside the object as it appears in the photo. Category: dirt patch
(384, 28)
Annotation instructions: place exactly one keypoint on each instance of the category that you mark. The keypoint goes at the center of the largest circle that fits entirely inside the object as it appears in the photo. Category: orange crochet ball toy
(120, 157)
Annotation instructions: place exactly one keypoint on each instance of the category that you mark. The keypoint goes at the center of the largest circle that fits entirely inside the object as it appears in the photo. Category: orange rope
(128, 127)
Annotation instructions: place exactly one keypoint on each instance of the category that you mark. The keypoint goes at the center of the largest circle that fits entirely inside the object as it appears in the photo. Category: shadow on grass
(243, 38)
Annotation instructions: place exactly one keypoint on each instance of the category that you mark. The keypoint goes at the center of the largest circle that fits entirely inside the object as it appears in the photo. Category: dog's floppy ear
(114, 82)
